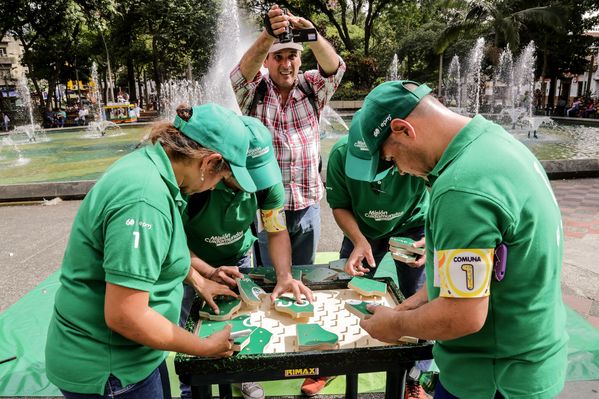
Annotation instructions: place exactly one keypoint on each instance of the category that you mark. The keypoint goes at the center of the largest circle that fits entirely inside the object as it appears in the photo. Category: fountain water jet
(392, 73)
(100, 126)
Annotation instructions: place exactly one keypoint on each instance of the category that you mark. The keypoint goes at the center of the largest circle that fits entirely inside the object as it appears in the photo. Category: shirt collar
(158, 156)
(465, 136)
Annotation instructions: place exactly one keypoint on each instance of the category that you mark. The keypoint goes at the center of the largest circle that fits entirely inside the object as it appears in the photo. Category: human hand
(379, 324)
(275, 21)
(299, 22)
(226, 275)
(420, 259)
(218, 344)
(209, 289)
(294, 286)
(354, 266)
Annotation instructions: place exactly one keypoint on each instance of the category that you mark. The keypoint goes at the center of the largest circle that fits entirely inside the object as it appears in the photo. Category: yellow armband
(273, 220)
(464, 273)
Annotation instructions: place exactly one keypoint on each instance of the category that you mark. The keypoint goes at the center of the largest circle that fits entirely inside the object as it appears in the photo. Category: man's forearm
(253, 59)
(347, 223)
(325, 55)
(200, 266)
(279, 250)
(441, 319)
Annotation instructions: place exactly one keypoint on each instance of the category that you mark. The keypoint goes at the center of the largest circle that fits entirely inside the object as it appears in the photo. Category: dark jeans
(441, 393)
(304, 232)
(410, 279)
(156, 385)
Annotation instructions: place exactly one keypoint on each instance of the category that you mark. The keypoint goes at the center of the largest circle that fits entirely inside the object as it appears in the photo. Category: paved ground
(33, 238)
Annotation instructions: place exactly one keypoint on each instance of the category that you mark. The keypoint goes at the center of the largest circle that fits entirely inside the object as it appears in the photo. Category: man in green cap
(369, 214)
(494, 245)
(218, 222)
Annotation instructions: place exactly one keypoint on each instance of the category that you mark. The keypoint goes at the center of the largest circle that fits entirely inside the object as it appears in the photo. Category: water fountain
(506, 83)
(473, 76)
(30, 132)
(453, 86)
(392, 73)
(99, 127)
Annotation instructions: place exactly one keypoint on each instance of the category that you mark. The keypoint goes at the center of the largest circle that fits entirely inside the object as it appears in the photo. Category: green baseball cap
(220, 129)
(261, 162)
(371, 126)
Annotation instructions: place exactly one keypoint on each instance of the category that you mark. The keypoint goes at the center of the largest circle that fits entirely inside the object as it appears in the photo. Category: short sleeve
(137, 240)
(337, 194)
(325, 87)
(244, 90)
(466, 229)
(273, 198)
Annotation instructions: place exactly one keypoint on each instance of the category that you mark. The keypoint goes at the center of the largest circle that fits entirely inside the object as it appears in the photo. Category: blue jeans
(441, 393)
(410, 279)
(304, 232)
(156, 385)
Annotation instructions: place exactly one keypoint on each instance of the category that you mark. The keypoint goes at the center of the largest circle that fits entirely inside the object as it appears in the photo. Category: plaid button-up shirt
(294, 126)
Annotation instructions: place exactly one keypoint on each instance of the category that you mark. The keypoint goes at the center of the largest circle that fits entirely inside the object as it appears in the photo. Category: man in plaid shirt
(287, 112)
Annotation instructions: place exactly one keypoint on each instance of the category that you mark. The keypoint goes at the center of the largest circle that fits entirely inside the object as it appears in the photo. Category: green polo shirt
(488, 188)
(128, 231)
(218, 223)
(386, 208)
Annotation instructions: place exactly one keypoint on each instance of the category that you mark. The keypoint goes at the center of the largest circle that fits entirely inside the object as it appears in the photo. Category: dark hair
(179, 146)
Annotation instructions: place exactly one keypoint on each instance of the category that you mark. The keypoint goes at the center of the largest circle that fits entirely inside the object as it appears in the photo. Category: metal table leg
(351, 386)
(225, 391)
(201, 391)
(395, 385)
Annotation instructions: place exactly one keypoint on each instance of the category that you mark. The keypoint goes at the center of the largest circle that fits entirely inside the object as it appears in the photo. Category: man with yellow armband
(494, 244)
(218, 230)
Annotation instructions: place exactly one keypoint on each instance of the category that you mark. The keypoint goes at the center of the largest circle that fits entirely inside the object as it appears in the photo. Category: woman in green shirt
(116, 312)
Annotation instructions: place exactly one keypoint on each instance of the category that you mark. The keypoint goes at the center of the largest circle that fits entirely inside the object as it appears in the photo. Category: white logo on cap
(383, 124)
(361, 145)
(258, 151)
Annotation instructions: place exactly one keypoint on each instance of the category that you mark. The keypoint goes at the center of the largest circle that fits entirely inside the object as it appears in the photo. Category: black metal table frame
(202, 373)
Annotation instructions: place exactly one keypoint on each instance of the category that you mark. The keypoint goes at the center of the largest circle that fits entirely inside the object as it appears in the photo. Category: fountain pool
(79, 155)
(67, 155)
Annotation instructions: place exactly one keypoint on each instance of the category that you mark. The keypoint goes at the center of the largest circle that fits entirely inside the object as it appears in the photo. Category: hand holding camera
(281, 24)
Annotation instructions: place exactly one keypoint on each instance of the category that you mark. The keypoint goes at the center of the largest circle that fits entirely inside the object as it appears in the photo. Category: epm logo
(301, 372)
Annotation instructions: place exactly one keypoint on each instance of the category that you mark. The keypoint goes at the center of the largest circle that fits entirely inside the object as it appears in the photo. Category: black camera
(286, 36)
(296, 35)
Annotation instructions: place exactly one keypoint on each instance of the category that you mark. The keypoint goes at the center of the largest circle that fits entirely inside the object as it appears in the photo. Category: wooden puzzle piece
(358, 307)
(239, 323)
(250, 292)
(227, 306)
(338, 265)
(257, 273)
(367, 287)
(290, 306)
(314, 337)
(320, 274)
(403, 255)
(408, 340)
(407, 244)
(259, 341)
